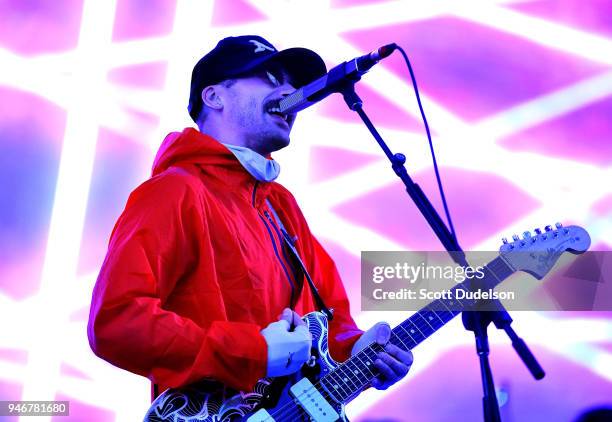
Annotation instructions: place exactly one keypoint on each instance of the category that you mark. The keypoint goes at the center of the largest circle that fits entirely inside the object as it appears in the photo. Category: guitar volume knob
(537, 231)
(515, 237)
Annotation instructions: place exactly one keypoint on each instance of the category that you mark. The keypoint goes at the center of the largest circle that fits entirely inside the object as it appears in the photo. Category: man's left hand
(393, 364)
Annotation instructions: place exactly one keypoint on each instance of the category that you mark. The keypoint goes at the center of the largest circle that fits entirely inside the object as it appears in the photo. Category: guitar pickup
(313, 402)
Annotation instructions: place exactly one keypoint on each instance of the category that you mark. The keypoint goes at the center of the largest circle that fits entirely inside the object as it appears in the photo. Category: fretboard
(353, 375)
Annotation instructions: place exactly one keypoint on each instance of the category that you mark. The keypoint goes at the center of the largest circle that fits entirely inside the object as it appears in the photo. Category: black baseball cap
(236, 56)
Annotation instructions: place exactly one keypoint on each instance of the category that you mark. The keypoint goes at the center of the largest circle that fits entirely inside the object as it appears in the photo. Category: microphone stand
(476, 321)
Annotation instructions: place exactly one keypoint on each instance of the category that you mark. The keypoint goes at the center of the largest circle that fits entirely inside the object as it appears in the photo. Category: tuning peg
(548, 228)
(526, 235)
(505, 240)
(537, 231)
(515, 237)
(558, 225)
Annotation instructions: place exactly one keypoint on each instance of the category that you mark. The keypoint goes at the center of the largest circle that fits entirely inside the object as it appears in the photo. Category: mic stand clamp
(476, 321)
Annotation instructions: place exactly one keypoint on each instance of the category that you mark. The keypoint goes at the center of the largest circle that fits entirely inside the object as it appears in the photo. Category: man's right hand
(287, 350)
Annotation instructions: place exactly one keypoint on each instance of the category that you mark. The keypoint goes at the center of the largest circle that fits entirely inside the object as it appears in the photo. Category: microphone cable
(433, 155)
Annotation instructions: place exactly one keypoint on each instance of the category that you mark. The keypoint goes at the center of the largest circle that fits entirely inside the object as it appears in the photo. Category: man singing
(197, 263)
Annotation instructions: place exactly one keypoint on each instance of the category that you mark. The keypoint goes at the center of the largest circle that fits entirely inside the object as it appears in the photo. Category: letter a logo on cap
(259, 47)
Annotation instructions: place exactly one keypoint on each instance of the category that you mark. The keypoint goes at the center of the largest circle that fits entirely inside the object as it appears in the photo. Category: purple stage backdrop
(519, 99)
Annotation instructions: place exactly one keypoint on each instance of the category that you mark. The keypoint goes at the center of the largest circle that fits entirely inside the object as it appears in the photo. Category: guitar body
(211, 401)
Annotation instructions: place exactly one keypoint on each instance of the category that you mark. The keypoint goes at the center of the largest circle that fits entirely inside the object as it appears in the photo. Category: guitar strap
(289, 242)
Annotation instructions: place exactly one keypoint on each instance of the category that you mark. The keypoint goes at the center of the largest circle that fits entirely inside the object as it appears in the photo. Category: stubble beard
(263, 135)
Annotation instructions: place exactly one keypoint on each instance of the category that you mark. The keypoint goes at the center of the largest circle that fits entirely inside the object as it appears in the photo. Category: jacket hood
(192, 147)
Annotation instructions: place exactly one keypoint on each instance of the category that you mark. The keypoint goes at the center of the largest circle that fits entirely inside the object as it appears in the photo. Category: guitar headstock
(537, 253)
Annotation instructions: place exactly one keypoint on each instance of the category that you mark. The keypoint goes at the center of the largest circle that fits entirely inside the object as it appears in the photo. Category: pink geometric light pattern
(518, 97)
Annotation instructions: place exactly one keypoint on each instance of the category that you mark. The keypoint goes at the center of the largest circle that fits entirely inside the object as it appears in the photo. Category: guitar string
(293, 408)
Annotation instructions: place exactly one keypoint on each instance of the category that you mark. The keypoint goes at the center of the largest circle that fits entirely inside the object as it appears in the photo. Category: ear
(211, 97)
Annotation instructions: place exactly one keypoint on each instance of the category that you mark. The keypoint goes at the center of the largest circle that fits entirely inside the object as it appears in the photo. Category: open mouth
(274, 109)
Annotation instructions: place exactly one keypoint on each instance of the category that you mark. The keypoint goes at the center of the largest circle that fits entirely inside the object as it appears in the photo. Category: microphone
(333, 81)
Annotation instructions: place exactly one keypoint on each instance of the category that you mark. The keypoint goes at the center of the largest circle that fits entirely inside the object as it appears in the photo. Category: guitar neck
(353, 375)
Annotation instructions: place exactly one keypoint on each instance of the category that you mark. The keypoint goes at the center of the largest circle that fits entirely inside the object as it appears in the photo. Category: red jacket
(195, 270)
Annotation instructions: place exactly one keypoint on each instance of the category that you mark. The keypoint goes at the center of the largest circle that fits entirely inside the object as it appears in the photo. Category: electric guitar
(321, 389)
